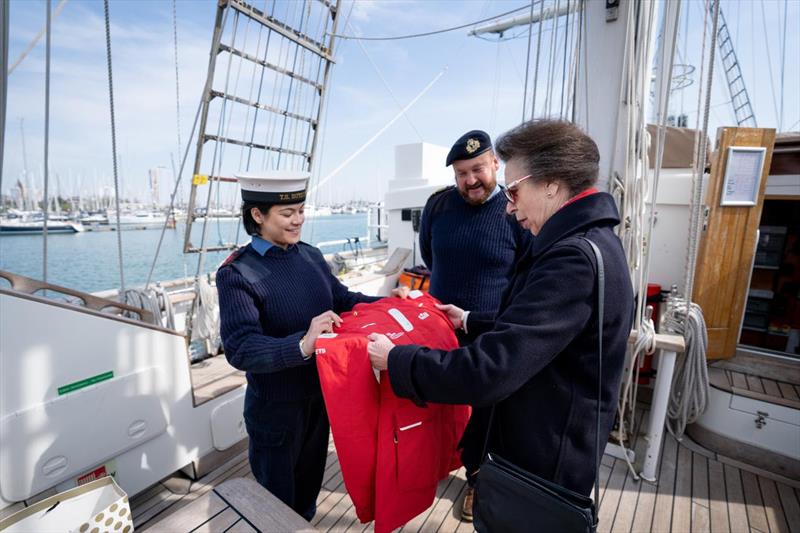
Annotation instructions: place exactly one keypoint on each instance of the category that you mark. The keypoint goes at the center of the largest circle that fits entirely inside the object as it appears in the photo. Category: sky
(482, 87)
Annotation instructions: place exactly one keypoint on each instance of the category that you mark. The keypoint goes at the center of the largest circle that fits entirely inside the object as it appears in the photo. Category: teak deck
(696, 491)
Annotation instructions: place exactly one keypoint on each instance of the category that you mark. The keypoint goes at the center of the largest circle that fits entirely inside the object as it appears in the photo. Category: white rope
(645, 345)
(143, 299)
(689, 395)
(206, 323)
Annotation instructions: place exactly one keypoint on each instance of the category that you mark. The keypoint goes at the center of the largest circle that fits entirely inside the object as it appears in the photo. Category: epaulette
(231, 258)
(440, 191)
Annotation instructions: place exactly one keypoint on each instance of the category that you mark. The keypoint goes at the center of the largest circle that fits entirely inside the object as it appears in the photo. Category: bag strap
(601, 294)
(601, 297)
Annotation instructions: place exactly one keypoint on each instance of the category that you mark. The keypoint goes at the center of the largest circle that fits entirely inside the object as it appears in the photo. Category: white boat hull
(141, 422)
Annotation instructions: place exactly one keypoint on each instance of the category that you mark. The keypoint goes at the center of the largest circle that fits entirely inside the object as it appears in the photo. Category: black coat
(537, 360)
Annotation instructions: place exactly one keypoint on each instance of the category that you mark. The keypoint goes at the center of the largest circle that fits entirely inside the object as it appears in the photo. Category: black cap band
(261, 197)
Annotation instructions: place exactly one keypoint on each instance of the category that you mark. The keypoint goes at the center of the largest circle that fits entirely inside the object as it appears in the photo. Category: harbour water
(89, 261)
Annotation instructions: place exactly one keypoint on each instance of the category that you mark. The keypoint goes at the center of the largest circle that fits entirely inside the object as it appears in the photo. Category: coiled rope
(689, 394)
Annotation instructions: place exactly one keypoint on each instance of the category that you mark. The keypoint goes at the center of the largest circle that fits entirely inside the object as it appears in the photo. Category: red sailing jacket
(392, 452)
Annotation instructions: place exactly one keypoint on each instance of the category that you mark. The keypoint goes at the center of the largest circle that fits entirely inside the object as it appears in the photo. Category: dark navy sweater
(470, 250)
(266, 304)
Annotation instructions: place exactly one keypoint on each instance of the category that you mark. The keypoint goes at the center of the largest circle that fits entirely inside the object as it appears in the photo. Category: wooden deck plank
(739, 380)
(191, 516)
(701, 519)
(772, 506)
(335, 495)
(452, 519)
(737, 512)
(771, 387)
(209, 370)
(612, 495)
(791, 506)
(241, 527)
(754, 383)
(260, 507)
(337, 511)
(788, 391)
(662, 513)
(348, 518)
(718, 501)
(237, 466)
(682, 506)
(444, 505)
(755, 506)
(694, 491)
(645, 502)
(626, 507)
(221, 522)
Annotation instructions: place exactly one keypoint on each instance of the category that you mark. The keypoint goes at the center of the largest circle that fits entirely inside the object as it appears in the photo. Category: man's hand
(323, 323)
(401, 292)
(378, 349)
(454, 313)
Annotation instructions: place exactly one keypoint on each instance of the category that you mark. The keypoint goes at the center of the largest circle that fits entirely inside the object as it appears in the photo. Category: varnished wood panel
(727, 246)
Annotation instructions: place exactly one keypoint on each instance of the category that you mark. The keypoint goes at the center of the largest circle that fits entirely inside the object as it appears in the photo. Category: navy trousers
(288, 448)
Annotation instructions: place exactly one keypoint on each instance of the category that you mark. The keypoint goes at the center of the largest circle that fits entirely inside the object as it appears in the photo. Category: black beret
(471, 144)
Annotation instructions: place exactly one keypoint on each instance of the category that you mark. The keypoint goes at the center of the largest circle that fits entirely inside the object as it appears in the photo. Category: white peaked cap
(274, 186)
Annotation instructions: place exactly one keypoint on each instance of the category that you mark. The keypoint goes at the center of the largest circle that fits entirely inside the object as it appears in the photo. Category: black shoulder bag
(510, 499)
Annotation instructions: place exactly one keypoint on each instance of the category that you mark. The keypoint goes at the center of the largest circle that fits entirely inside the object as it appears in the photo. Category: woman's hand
(378, 349)
(454, 313)
(401, 292)
(323, 323)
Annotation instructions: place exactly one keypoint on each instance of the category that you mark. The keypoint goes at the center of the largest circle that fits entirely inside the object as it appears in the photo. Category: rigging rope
(700, 165)
(114, 143)
(4, 16)
(35, 40)
(426, 34)
(527, 65)
(214, 165)
(536, 67)
(389, 89)
(174, 194)
(46, 139)
(177, 84)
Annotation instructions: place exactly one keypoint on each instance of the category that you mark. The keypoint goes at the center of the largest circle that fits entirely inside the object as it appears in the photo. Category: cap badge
(472, 145)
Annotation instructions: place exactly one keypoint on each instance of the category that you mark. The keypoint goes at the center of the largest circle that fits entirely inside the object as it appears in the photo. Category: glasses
(511, 189)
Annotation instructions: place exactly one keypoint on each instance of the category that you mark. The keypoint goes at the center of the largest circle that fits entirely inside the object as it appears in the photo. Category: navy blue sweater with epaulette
(266, 304)
(470, 249)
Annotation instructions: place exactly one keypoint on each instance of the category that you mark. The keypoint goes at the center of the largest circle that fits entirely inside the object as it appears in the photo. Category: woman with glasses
(536, 360)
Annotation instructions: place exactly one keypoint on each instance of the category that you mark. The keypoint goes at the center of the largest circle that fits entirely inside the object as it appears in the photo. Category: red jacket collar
(577, 197)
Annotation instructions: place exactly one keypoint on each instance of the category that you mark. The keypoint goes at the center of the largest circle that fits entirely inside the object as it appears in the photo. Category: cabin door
(734, 199)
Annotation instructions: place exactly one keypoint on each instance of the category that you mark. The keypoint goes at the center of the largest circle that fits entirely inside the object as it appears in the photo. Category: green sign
(72, 387)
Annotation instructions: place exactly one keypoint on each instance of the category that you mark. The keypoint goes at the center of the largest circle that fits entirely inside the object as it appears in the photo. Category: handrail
(31, 286)
(86, 310)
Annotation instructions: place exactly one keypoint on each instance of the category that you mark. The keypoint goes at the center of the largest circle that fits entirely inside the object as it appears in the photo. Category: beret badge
(472, 145)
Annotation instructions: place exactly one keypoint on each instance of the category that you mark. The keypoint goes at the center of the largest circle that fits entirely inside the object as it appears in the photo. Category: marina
(112, 361)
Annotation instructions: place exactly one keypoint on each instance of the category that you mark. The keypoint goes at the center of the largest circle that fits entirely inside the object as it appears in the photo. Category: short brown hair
(554, 150)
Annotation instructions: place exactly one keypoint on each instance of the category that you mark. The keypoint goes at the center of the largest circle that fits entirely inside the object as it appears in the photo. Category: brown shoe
(466, 505)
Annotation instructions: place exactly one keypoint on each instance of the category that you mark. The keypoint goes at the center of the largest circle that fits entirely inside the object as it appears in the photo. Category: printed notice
(742, 175)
